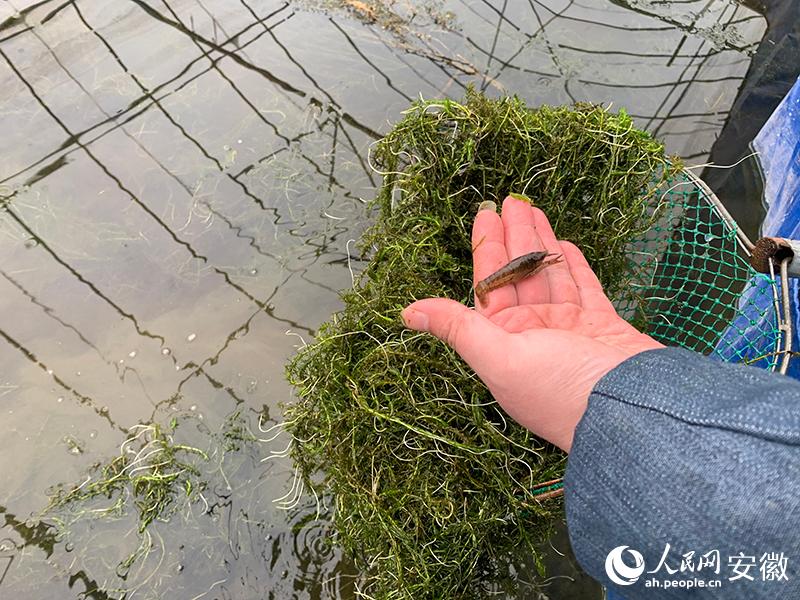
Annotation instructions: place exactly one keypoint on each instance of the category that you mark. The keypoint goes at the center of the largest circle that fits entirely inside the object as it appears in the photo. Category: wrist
(596, 371)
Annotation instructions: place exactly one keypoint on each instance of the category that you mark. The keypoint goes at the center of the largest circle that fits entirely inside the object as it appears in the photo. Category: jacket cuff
(676, 449)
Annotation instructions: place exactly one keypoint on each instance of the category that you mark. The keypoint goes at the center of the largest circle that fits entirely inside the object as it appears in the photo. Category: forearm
(677, 449)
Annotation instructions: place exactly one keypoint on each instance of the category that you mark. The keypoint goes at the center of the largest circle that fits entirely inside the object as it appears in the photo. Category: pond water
(179, 187)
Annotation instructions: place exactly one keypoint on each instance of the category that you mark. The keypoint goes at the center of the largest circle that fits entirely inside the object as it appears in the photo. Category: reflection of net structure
(690, 272)
(674, 64)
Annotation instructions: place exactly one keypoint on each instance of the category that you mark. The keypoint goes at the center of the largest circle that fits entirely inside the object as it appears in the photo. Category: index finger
(488, 255)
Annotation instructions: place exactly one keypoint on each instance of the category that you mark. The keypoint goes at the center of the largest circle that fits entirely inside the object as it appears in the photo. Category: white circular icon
(619, 572)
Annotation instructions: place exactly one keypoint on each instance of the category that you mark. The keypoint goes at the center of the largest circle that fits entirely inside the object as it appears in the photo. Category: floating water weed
(431, 483)
(151, 470)
(151, 479)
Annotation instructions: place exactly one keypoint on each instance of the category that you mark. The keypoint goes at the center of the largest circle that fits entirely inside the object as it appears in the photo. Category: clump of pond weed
(151, 469)
(151, 478)
(431, 482)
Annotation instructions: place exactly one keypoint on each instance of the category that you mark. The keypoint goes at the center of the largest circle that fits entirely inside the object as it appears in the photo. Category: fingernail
(487, 205)
(415, 319)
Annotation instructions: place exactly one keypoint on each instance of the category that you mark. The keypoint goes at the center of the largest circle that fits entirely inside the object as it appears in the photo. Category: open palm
(539, 345)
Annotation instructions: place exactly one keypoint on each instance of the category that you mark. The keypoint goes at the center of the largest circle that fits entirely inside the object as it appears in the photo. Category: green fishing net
(692, 284)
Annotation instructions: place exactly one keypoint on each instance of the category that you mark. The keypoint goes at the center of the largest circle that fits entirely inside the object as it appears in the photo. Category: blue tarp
(778, 147)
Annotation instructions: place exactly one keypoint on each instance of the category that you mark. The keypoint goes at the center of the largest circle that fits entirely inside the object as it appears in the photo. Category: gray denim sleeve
(681, 454)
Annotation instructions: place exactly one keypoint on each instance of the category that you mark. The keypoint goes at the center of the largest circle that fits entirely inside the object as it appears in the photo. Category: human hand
(542, 344)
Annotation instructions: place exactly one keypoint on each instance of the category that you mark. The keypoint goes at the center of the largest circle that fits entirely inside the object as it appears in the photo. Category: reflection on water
(179, 183)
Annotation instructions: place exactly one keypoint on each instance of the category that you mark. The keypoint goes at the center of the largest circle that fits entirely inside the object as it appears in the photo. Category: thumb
(463, 329)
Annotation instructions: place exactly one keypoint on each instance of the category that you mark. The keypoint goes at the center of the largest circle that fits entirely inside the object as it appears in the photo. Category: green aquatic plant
(152, 477)
(158, 474)
(152, 471)
(433, 487)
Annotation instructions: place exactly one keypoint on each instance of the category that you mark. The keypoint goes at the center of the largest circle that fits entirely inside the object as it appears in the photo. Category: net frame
(693, 285)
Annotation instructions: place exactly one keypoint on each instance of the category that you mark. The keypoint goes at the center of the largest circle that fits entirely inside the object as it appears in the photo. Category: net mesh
(693, 285)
